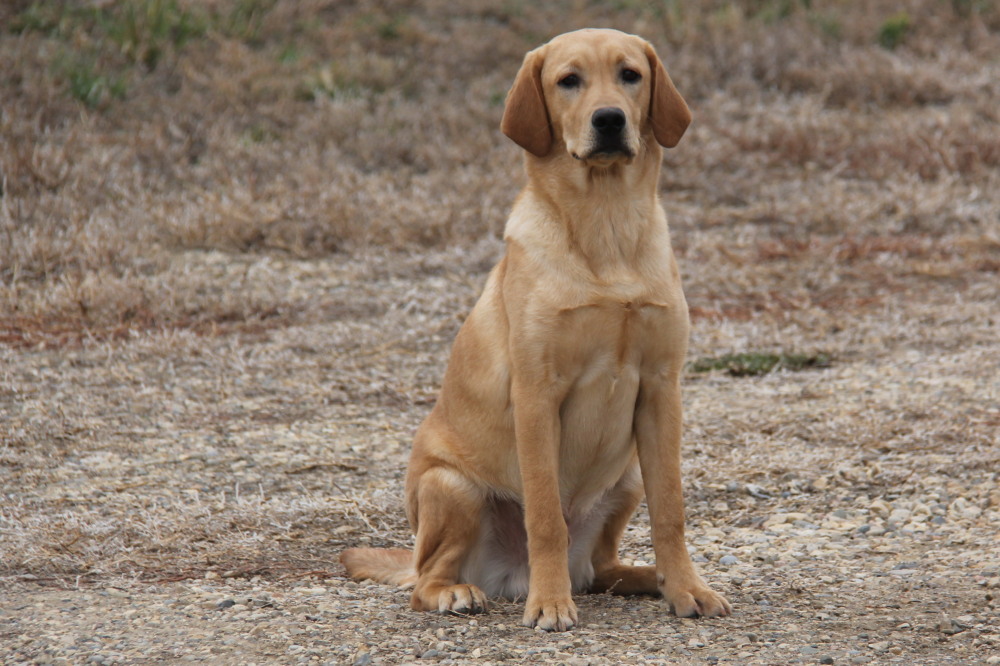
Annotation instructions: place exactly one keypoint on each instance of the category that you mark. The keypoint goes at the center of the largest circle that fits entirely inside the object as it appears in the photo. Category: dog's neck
(606, 212)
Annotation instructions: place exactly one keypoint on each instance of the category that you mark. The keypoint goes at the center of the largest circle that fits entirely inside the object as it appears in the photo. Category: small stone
(728, 560)
(880, 508)
(961, 508)
(783, 518)
(950, 627)
(430, 654)
(899, 516)
(881, 646)
(826, 659)
(362, 659)
(808, 649)
(225, 603)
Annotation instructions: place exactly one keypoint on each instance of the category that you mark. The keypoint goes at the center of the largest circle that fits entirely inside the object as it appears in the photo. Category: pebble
(784, 518)
(950, 627)
(826, 659)
(728, 560)
(880, 508)
(899, 516)
(961, 508)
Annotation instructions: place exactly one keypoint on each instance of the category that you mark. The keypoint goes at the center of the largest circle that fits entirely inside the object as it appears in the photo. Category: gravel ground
(227, 299)
(176, 497)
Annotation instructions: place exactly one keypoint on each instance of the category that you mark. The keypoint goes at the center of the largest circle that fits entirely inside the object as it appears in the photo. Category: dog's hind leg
(447, 518)
(610, 575)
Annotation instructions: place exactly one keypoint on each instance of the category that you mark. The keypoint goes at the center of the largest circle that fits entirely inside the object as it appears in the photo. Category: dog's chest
(607, 344)
(606, 337)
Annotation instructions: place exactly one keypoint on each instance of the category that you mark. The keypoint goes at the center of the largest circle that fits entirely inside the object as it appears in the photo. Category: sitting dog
(561, 403)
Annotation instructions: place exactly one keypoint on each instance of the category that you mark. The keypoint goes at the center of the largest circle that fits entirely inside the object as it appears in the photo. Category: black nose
(608, 121)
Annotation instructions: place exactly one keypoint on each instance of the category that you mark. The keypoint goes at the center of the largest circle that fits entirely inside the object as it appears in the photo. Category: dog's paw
(695, 599)
(451, 599)
(462, 600)
(551, 614)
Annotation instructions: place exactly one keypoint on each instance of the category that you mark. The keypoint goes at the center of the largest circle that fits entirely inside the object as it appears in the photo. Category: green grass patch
(245, 20)
(145, 29)
(89, 84)
(754, 364)
(104, 42)
(894, 30)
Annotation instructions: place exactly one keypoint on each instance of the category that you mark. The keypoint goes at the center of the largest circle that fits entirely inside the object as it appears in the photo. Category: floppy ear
(525, 118)
(668, 112)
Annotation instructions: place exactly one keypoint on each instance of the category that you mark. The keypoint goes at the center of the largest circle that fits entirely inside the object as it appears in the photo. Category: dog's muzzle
(608, 124)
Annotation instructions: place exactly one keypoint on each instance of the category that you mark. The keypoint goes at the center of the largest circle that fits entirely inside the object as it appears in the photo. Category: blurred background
(133, 132)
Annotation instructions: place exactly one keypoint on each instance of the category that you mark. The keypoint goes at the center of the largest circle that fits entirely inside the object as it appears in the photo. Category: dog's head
(598, 92)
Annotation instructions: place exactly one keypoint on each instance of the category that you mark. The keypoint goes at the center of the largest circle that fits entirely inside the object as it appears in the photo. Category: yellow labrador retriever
(562, 398)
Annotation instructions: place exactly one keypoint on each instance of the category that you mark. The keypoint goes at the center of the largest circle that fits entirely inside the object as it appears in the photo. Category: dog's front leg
(537, 430)
(658, 438)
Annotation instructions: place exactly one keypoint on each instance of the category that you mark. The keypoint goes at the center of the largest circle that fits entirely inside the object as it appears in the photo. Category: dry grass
(230, 271)
(304, 129)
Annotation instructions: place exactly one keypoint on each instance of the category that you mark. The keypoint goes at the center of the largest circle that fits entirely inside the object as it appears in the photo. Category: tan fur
(561, 402)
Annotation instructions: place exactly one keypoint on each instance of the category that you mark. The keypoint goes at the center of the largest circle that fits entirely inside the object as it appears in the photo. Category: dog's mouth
(606, 150)
(604, 156)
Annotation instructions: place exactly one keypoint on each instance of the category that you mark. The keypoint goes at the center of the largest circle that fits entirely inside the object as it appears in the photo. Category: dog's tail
(383, 565)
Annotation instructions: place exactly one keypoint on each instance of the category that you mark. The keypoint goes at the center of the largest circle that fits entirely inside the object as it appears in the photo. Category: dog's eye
(630, 75)
(569, 81)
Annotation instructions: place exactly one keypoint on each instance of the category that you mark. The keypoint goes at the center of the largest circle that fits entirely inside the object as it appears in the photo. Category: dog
(561, 402)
